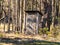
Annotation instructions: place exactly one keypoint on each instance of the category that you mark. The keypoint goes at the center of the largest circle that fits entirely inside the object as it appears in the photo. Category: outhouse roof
(34, 12)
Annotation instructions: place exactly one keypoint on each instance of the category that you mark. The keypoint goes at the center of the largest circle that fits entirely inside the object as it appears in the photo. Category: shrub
(1, 35)
(43, 30)
(40, 31)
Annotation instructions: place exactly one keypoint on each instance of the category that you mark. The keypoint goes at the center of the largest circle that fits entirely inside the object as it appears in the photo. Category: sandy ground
(36, 37)
(5, 44)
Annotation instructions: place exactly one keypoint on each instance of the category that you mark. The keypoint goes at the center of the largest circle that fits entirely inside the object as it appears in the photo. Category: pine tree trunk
(53, 14)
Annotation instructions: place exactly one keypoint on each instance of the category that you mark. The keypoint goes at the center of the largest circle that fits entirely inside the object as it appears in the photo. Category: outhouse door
(32, 21)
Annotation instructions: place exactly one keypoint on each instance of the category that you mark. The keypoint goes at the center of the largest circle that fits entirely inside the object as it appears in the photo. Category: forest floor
(21, 39)
(35, 39)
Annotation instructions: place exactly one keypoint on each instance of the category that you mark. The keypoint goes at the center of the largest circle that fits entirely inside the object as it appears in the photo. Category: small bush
(43, 30)
(1, 35)
(40, 31)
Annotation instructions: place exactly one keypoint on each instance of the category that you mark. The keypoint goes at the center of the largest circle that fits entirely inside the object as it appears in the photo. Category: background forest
(12, 14)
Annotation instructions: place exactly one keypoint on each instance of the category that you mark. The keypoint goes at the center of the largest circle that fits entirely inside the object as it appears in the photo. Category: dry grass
(6, 44)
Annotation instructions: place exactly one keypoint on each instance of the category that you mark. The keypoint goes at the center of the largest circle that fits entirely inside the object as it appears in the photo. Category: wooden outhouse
(32, 21)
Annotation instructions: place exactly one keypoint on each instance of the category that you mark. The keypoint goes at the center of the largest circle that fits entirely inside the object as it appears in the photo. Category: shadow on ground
(27, 41)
